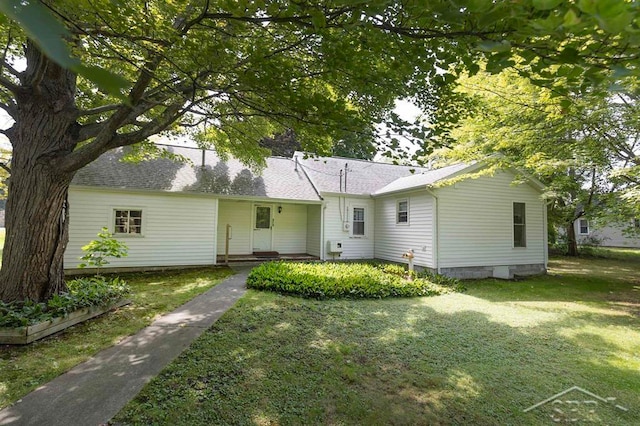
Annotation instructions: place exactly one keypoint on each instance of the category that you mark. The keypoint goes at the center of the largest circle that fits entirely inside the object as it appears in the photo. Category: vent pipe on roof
(203, 159)
(346, 170)
(295, 167)
(340, 180)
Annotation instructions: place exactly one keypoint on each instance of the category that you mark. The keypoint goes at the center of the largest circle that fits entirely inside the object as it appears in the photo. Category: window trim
(523, 224)
(580, 227)
(398, 211)
(352, 221)
(128, 235)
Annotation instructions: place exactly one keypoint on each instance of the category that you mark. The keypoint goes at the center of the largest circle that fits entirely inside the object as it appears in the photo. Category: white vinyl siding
(609, 235)
(165, 240)
(238, 214)
(314, 227)
(340, 209)
(290, 229)
(475, 223)
(393, 239)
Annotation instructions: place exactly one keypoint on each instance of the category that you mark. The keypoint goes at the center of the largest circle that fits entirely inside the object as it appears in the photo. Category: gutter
(436, 233)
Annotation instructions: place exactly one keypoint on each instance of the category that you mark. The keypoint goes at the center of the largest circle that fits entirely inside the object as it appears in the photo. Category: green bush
(82, 293)
(334, 280)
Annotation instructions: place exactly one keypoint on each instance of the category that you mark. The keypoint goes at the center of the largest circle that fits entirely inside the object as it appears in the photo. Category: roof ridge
(313, 155)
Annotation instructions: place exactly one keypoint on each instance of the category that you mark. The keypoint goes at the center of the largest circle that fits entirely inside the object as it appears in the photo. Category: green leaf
(545, 4)
(318, 19)
(588, 6)
(41, 27)
(613, 15)
(571, 19)
(569, 55)
(476, 6)
(105, 80)
(49, 34)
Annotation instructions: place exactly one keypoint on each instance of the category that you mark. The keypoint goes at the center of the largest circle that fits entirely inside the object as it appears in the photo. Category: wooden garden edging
(28, 334)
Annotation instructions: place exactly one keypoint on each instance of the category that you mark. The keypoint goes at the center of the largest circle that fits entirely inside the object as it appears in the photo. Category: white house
(606, 234)
(182, 214)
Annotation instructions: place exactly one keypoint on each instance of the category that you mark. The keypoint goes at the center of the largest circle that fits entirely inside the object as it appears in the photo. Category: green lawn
(475, 358)
(23, 368)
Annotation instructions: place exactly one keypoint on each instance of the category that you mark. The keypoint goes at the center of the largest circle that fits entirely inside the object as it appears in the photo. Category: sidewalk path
(93, 392)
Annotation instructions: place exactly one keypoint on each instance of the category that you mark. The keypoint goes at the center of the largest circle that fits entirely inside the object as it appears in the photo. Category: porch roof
(201, 174)
(424, 179)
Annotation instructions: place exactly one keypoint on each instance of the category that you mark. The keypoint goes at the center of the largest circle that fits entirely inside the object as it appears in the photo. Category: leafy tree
(233, 72)
(584, 147)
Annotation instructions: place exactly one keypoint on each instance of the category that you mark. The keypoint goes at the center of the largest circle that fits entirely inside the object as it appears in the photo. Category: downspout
(436, 233)
(545, 234)
(323, 207)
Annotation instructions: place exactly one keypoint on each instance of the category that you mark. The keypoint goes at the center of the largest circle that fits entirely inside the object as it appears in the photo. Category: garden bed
(27, 334)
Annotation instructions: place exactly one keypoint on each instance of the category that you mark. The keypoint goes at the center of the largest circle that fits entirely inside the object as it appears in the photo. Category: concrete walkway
(93, 392)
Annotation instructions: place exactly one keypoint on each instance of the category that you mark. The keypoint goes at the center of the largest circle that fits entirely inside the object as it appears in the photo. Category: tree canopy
(82, 77)
(585, 147)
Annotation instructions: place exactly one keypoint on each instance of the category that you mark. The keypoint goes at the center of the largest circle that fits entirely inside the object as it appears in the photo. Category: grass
(475, 358)
(23, 368)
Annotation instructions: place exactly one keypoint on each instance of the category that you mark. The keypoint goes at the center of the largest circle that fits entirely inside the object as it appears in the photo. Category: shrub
(98, 250)
(82, 293)
(334, 280)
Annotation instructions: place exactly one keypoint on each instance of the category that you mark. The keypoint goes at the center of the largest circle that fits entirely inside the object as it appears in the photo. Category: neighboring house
(178, 214)
(607, 235)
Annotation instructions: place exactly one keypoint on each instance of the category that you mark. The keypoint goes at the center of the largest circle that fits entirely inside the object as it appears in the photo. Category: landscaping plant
(81, 293)
(353, 280)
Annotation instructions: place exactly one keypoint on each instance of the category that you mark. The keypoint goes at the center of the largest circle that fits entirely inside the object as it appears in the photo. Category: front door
(262, 228)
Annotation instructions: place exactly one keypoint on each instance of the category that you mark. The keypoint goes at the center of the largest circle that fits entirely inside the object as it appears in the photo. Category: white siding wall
(607, 236)
(177, 229)
(238, 214)
(476, 223)
(290, 229)
(392, 239)
(354, 247)
(314, 226)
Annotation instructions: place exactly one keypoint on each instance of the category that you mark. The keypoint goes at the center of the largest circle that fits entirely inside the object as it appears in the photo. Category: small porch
(259, 257)
(260, 230)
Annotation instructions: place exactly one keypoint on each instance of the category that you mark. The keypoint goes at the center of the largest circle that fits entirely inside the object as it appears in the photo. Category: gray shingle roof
(278, 180)
(363, 177)
(422, 180)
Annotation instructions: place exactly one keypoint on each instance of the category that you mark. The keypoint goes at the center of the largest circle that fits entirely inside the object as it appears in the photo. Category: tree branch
(10, 108)
(98, 110)
(89, 152)
(9, 85)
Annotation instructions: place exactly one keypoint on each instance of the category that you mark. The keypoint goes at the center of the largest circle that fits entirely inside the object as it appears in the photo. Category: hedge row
(354, 280)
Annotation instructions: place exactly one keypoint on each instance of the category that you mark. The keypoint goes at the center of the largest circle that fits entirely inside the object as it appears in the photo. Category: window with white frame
(583, 225)
(519, 225)
(128, 222)
(402, 211)
(358, 221)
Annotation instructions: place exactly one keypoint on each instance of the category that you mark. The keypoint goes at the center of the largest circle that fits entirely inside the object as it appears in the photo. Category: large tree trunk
(36, 210)
(572, 242)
